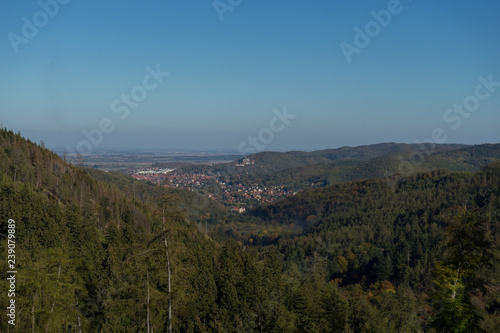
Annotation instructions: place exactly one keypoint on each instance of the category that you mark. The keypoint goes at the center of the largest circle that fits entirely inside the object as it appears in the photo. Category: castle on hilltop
(244, 162)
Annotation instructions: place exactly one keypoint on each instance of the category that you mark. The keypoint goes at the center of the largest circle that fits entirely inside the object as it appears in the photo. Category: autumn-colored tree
(457, 277)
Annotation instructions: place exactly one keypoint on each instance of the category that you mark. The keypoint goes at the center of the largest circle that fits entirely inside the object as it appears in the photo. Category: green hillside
(92, 258)
(100, 252)
(360, 234)
(268, 162)
(301, 170)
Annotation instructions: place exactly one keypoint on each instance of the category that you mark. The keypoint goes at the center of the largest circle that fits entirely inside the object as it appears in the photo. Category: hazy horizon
(102, 149)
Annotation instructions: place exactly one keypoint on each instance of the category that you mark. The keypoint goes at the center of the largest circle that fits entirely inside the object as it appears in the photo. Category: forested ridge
(301, 170)
(98, 253)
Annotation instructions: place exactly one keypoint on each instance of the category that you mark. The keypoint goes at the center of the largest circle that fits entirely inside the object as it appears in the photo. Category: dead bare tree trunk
(168, 276)
(78, 316)
(455, 282)
(147, 315)
(33, 314)
(169, 293)
(53, 302)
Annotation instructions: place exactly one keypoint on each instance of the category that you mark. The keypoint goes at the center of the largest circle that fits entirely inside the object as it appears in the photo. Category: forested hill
(277, 161)
(92, 258)
(267, 162)
(96, 252)
(301, 170)
(84, 249)
(346, 164)
(441, 188)
(362, 233)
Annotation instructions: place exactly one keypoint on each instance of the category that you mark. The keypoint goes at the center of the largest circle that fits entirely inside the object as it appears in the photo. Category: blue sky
(226, 76)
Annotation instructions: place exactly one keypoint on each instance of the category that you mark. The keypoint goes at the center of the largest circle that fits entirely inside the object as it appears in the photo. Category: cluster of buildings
(153, 175)
(235, 194)
(189, 181)
(244, 162)
(252, 194)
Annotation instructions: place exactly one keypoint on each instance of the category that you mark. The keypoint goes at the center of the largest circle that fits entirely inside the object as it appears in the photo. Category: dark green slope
(277, 161)
(381, 243)
(268, 162)
(92, 257)
(85, 250)
(403, 223)
(368, 152)
(452, 188)
(476, 156)
(347, 164)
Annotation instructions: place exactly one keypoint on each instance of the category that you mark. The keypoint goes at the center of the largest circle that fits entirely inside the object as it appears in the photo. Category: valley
(350, 250)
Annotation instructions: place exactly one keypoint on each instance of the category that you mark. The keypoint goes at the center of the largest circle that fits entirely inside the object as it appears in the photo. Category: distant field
(122, 161)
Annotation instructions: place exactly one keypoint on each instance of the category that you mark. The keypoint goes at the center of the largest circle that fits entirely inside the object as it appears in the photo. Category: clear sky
(67, 67)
